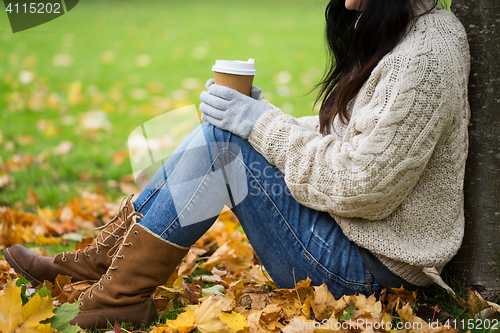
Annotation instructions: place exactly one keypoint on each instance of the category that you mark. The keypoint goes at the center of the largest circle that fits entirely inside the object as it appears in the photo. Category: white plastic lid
(237, 67)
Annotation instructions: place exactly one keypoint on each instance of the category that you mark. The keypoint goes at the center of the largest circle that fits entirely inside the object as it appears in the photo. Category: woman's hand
(230, 110)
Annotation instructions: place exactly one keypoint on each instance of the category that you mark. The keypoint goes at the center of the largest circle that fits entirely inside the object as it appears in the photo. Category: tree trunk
(478, 261)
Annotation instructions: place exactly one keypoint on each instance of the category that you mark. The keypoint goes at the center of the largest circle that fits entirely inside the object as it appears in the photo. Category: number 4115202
(34, 8)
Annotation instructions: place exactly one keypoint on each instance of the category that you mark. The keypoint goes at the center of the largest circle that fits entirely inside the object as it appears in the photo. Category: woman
(363, 197)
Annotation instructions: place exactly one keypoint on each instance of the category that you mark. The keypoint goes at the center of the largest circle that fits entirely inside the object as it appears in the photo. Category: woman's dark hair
(357, 41)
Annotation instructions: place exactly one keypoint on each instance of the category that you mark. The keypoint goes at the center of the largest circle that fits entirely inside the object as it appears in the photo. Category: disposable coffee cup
(235, 74)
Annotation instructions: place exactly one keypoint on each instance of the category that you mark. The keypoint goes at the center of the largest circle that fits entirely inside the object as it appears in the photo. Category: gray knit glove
(230, 110)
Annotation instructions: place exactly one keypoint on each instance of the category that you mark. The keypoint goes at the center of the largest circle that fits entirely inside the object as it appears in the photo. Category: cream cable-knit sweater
(393, 177)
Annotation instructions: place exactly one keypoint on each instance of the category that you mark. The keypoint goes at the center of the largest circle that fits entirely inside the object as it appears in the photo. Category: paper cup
(234, 74)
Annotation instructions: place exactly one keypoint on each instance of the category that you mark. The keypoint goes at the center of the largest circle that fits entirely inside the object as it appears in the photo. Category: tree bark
(478, 261)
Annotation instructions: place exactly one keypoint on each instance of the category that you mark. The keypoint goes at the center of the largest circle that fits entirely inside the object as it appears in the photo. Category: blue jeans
(213, 168)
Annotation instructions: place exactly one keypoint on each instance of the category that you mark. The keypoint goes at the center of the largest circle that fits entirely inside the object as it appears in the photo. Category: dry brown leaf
(129, 188)
(398, 297)
(193, 290)
(257, 274)
(254, 324)
(291, 306)
(476, 303)
(235, 288)
(236, 254)
(322, 303)
(56, 287)
(366, 307)
(84, 243)
(16, 228)
(218, 272)
(412, 323)
(330, 326)
(72, 291)
(189, 264)
(254, 298)
(270, 316)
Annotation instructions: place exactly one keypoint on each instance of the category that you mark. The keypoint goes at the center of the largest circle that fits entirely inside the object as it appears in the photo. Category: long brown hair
(357, 41)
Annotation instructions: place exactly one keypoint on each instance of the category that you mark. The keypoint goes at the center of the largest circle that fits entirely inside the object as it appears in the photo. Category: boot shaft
(117, 227)
(143, 262)
(92, 262)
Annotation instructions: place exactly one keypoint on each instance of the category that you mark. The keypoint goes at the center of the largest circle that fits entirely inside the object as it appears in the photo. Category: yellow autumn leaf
(16, 318)
(386, 322)
(207, 315)
(303, 283)
(184, 323)
(306, 307)
(323, 302)
(234, 320)
(369, 306)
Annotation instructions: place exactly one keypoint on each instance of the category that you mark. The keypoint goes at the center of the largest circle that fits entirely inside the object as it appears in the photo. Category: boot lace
(123, 213)
(107, 275)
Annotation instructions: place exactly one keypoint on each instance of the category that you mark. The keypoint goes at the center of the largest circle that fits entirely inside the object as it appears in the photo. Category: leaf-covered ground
(220, 286)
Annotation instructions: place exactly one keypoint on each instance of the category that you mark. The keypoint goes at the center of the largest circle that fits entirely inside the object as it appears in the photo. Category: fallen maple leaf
(184, 323)
(72, 291)
(476, 303)
(399, 296)
(254, 323)
(254, 298)
(234, 321)
(189, 264)
(16, 318)
(270, 316)
(193, 290)
(323, 303)
(206, 316)
(62, 317)
(56, 288)
(364, 306)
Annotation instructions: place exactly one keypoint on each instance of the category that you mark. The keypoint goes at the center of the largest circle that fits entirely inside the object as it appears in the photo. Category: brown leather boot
(143, 262)
(87, 264)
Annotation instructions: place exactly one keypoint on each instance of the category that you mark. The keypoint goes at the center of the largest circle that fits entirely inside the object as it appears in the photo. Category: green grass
(435, 295)
(105, 40)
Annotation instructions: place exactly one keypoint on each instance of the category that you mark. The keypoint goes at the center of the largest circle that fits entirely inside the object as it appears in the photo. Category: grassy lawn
(93, 75)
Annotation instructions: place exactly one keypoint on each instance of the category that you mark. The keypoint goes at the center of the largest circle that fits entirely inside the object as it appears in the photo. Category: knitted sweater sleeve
(397, 119)
(309, 122)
